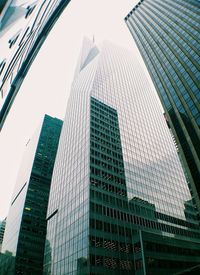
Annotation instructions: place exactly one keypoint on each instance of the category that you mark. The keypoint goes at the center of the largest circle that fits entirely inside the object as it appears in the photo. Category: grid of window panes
(68, 211)
(158, 195)
(26, 228)
(170, 248)
(113, 220)
(18, 199)
(31, 241)
(152, 168)
(111, 247)
(167, 35)
(32, 23)
(113, 112)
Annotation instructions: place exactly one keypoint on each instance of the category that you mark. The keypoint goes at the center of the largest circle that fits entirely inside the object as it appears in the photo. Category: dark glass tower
(119, 202)
(167, 35)
(25, 231)
(2, 230)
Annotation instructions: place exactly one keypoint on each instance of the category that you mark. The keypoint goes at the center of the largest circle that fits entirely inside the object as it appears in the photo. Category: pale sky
(46, 87)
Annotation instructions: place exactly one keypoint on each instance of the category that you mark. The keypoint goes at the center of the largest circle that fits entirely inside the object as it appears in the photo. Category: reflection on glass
(118, 188)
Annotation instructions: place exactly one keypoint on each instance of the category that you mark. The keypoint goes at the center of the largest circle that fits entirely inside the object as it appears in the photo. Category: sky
(47, 85)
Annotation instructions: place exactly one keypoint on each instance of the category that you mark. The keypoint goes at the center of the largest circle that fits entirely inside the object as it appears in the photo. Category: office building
(24, 237)
(2, 230)
(119, 201)
(167, 35)
(24, 26)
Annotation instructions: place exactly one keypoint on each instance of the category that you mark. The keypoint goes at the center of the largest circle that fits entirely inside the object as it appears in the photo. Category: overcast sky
(46, 87)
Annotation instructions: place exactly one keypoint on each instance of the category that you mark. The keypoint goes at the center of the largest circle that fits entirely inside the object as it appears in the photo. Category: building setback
(119, 201)
(24, 238)
(167, 35)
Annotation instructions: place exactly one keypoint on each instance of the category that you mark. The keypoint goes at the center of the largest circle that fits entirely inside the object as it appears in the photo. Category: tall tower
(2, 230)
(167, 35)
(24, 26)
(119, 202)
(25, 232)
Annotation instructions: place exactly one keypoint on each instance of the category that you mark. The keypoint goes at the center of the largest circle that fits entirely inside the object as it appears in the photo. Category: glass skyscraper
(119, 202)
(167, 34)
(24, 238)
(24, 26)
(2, 230)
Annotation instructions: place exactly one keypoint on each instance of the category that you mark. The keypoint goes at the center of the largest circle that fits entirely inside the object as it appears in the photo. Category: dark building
(7, 263)
(119, 201)
(2, 230)
(25, 231)
(2, 6)
(167, 35)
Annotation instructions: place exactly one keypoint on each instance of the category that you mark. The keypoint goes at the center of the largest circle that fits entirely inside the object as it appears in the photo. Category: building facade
(167, 35)
(2, 230)
(25, 231)
(119, 202)
(24, 26)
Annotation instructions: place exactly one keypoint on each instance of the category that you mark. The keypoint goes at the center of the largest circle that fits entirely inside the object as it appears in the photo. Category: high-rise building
(24, 26)
(24, 237)
(2, 230)
(119, 201)
(167, 35)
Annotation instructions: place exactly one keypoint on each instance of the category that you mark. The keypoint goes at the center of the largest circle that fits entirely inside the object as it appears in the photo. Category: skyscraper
(119, 202)
(25, 231)
(2, 230)
(167, 35)
(24, 26)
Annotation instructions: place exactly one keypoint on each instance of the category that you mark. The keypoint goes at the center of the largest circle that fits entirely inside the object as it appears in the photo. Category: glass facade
(2, 5)
(24, 238)
(118, 189)
(24, 26)
(2, 230)
(167, 35)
